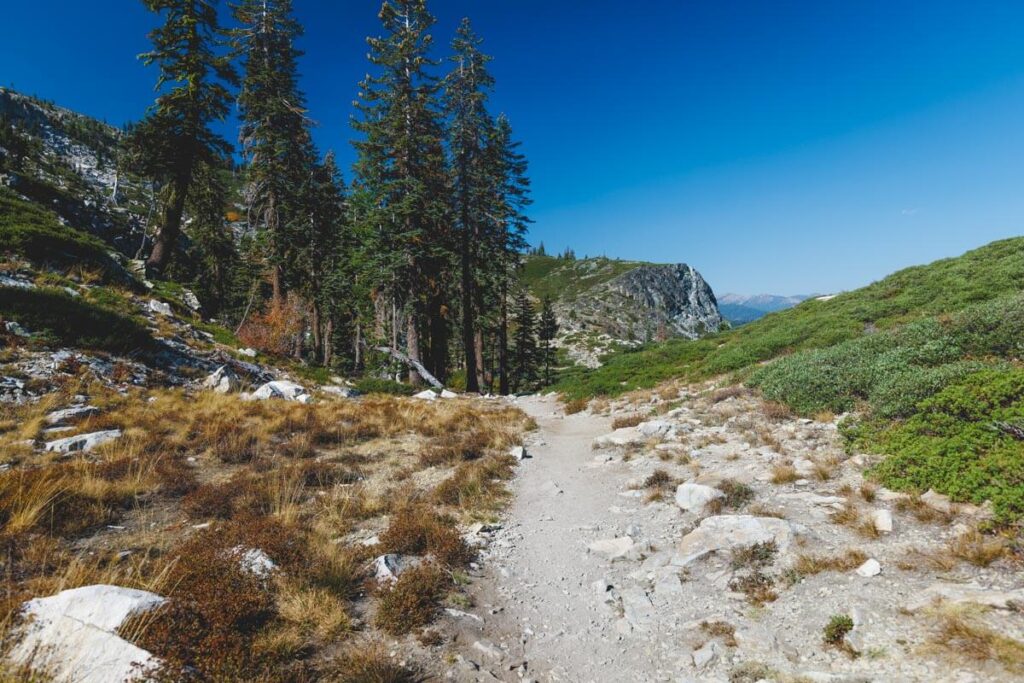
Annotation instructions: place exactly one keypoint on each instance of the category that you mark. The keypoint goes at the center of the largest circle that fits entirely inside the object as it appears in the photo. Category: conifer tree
(547, 329)
(401, 170)
(524, 356)
(274, 135)
(175, 137)
(466, 92)
(509, 198)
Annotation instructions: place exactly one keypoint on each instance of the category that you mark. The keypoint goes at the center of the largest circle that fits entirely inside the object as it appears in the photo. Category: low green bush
(953, 444)
(375, 385)
(30, 231)
(70, 321)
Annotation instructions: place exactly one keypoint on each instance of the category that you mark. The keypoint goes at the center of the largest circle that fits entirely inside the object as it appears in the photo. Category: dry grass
(576, 406)
(783, 474)
(850, 515)
(627, 421)
(722, 630)
(776, 411)
(959, 632)
(848, 560)
(298, 482)
(413, 601)
(971, 546)
(724, 394)
(921, 511)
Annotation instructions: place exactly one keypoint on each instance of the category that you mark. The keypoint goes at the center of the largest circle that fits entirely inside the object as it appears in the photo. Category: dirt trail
(541, 573)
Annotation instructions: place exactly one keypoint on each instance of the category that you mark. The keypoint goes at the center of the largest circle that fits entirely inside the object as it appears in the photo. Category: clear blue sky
(777, 146)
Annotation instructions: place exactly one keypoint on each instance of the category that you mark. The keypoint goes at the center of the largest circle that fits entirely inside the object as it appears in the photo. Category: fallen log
(414, 364)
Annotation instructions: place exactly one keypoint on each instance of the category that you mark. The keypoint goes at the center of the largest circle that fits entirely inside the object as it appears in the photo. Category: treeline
(416, 257)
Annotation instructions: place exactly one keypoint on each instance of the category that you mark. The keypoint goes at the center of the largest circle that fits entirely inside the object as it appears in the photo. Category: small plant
(836, 629)
(627, 421)
(577, 405)
(783, 474)
(413, 601)
(658, 479)
(849, 559)
(720, 629)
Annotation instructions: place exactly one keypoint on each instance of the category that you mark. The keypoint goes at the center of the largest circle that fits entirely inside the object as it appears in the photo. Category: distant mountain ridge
(740, 309)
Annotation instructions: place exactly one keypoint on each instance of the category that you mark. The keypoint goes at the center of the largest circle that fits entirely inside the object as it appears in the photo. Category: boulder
(159, 307)
(655, 428)
(448, 394)
(518, 452)
(289, 391)
(222, 381)
(82, 442)
(60, 418)
(694, 497)
(387, 568)
(726, 532)
(72, 636)
(248, 353)
(191, 300)
(962, 593)
(937, 501)
(870, 568)
(16, 329)
(620, 437)
(882, 521)
(426, 395)
(612, 548)
(254, 561)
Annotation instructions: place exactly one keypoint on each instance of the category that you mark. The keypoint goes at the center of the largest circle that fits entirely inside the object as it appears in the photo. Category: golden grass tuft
(959, 632)
(848, 560)
(783, 474)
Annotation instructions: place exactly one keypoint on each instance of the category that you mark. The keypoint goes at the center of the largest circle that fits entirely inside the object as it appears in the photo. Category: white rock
(691, 497)
(387, 568)
(159, 307)
(254, 561)
(248, 353)
(222, 380)
(725, 532)
(957, 593)
(82, 442)
(61, 417)
(289, 391)
(937, 501)
(705, 656)
(71, 636)
(654, 428)
(882, 521)
(870, 568)
(518, 452)
(426, 395)
(335, 390)
(191, 300)
(612, 548)
(448, 394)
(16, 329)
(620, 437)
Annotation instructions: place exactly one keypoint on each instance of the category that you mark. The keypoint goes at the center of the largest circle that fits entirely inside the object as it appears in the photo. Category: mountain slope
(944, 286)
(603, 303)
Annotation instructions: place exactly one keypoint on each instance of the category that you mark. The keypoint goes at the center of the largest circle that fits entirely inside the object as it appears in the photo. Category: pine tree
(547, 329)
(274, 135)
(524, 356)
(466, 92)
(175, 137)
(509, 196)
(402, 174)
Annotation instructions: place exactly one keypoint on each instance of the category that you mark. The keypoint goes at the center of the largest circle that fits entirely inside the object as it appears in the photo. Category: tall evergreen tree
(401, 168)
(509, 196)
(175, 137)
(274, 135)
(524, 356)
(547, 329)
(466, 91)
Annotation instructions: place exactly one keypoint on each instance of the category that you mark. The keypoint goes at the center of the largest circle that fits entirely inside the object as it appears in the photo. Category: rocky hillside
(603, 303)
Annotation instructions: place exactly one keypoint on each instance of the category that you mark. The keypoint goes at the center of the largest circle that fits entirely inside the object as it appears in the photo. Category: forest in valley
(406, 270)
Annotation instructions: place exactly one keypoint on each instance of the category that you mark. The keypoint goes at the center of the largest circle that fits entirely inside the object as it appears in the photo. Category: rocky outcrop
(647, 303)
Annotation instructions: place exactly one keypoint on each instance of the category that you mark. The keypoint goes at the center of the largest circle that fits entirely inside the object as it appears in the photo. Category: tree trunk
(412, 340)
(473, 360)
(503, 344)
(328, 346)
(438, 338)
(317, 332)
(170, 226)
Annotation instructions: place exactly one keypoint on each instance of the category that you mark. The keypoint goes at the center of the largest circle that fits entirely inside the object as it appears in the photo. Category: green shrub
(71, 321)
(953, 446)
(29, 230)
(375, 385)
(837, 628)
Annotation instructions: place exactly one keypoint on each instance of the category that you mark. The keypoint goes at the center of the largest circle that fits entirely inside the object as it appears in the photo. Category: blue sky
(778, 146)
